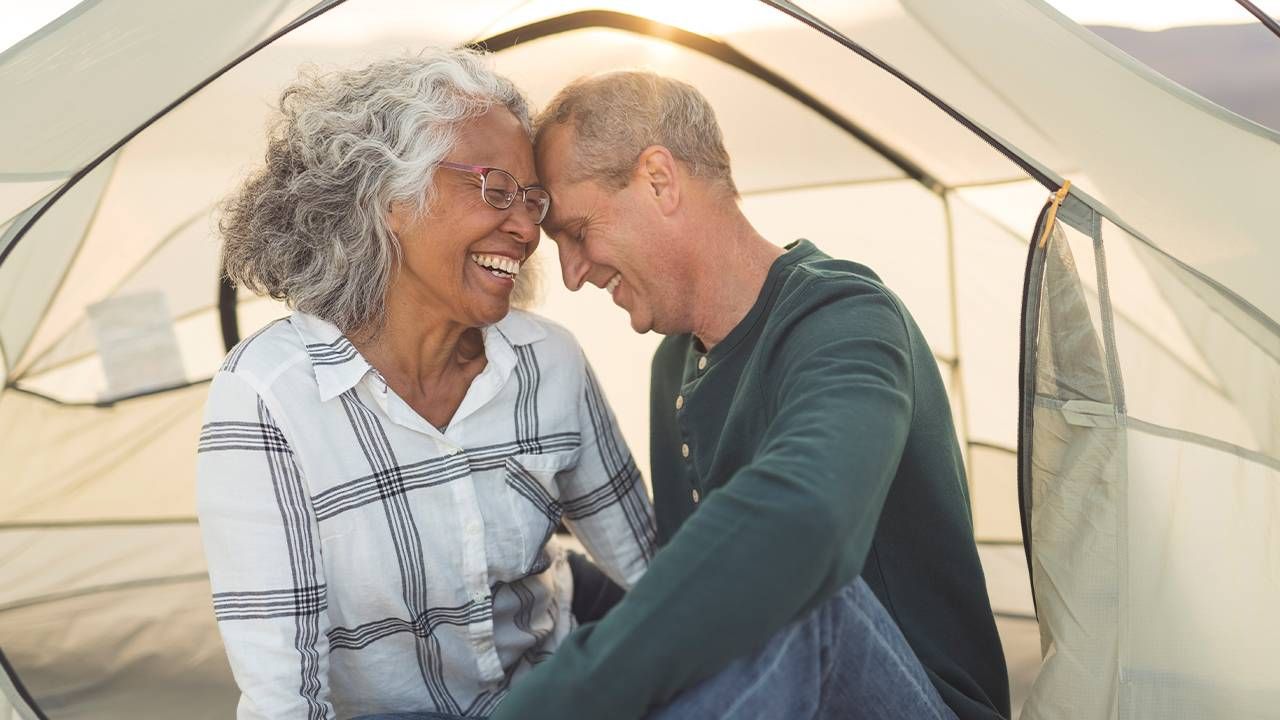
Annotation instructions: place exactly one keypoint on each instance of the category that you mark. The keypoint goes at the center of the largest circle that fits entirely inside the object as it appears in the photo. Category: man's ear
(659, 172)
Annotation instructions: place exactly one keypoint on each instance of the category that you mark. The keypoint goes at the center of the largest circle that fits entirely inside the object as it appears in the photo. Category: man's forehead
(554, 153)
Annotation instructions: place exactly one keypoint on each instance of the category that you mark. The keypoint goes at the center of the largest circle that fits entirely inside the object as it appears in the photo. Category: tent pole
(957, 374)
(227, 318)
(1037, 173)
(24, 705)
(1266, 19)
(712, 48)
(316, 11)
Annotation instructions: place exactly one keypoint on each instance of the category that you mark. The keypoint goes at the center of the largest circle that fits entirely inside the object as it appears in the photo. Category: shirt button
(702, 363)
(679, 401)
(684, 449)
(696, 497)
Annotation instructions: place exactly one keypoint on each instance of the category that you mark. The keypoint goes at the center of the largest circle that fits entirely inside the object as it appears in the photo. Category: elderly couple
(381, 474)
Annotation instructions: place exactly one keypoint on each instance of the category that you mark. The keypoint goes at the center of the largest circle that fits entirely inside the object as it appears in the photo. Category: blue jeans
(845, 659)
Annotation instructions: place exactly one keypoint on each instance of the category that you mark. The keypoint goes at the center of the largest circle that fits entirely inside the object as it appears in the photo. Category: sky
(18, 18)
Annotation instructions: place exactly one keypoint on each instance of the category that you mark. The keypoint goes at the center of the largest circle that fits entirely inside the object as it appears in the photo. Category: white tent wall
(1146, 144)
(100, 497)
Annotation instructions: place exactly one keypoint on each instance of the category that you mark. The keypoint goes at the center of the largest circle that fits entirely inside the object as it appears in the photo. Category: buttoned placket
(475, 560)
(686, 448)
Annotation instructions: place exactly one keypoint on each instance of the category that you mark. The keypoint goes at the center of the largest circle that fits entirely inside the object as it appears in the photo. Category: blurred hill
(1236, 66)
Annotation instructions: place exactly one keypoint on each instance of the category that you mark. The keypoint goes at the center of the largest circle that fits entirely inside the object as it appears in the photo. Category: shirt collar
(338, 366)
(519, 328)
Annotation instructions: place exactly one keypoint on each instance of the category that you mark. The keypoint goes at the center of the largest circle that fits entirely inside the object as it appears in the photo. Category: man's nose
(573, 266)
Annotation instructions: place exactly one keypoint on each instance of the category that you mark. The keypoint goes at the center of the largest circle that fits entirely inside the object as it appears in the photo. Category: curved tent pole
(1266, 19)
(1000, 146)
(227, 318)
(27, 709)
(716, 49)
(80, 174)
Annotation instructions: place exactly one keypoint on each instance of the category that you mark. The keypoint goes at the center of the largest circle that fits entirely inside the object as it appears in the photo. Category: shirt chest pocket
(533, 493)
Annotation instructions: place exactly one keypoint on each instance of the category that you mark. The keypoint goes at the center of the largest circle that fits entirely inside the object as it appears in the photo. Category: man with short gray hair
(818, 557)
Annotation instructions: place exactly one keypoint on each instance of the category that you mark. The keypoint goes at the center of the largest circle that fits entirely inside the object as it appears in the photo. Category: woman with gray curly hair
(381, 473)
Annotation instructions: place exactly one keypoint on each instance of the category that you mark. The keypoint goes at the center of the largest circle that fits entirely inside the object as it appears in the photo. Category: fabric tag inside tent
(137, 344)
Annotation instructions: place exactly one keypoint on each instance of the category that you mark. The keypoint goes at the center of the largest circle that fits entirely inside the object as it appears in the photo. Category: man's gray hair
(617, 115)
(310, 227)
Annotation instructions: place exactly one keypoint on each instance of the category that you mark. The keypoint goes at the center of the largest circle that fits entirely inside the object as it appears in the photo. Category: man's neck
(734, 264)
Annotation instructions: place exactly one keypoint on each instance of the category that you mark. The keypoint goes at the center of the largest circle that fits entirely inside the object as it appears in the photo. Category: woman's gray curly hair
(310, 227)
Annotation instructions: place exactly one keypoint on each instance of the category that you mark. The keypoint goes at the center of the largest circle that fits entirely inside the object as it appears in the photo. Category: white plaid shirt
(364, 561)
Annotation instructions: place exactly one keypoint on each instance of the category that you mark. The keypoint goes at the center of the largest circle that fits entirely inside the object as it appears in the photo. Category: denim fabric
(846, 659)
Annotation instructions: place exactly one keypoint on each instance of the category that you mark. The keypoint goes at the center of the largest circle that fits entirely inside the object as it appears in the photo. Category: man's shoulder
(827, 299)
(821, 272)
(821, 282)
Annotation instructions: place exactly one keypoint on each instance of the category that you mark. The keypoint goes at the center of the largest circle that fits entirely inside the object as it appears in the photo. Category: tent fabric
(1162, 147)
(1143, 468)
(90, 77)
(1074, 461)
(95, 499)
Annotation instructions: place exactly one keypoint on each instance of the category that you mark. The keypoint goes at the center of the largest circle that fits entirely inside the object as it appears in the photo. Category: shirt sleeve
(263, 551)
(605, 503)
(785, 532)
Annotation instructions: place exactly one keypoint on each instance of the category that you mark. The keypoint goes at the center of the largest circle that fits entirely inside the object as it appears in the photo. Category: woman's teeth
(613, 283)
(497, 265)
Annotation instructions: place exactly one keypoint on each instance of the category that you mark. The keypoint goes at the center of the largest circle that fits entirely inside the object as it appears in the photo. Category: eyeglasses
(499, 190)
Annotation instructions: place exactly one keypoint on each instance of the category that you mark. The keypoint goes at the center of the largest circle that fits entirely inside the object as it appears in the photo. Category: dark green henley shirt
(812, 445)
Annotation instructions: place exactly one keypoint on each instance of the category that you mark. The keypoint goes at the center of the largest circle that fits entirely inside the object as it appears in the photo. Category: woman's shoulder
(267, 353)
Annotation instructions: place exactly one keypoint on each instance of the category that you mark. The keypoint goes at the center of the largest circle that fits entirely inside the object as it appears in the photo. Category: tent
(1112, 352)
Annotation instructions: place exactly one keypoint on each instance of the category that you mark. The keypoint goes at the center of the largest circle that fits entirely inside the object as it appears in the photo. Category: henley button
(695, 497)
(702, 363)
(684, 449)
(679, 401)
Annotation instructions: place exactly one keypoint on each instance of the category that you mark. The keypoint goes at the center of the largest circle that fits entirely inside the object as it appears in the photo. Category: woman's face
(450, 250)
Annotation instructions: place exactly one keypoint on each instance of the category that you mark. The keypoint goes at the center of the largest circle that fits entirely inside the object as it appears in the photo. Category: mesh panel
(1153, 509)
(1075, 470)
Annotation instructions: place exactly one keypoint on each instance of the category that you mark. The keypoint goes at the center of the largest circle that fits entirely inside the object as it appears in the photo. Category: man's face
(614, 239)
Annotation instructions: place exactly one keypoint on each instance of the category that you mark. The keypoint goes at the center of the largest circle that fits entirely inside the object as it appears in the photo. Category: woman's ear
(395, 219)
